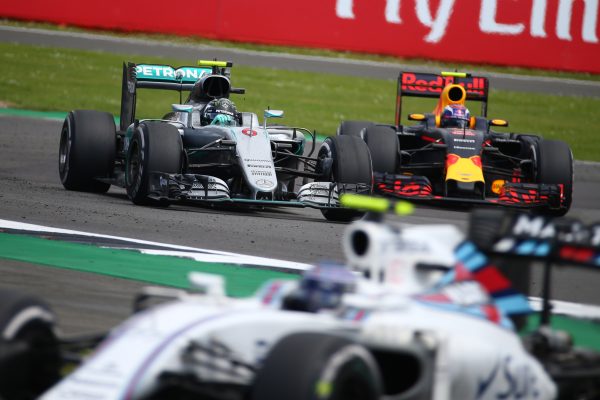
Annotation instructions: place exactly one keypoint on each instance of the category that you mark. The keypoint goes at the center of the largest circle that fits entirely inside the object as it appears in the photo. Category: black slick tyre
(351, 165)
(316, 366)
(555, 166)
(87, 150)
(29, 357)
(353, 128)
(384, 148)
(154, 147)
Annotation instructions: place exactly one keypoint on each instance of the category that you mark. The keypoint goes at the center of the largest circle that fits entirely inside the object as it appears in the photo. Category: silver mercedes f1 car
(205, 151)
(406, 318)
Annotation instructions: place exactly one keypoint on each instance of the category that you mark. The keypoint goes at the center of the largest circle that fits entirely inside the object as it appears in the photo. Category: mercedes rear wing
(166, 77)
(423, 84)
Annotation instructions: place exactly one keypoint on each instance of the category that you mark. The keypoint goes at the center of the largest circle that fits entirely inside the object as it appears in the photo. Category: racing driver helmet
(219, 112)
(455, 116)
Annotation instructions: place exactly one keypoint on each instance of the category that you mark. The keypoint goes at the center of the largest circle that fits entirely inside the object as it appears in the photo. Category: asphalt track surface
(338, 66)
(31, 192)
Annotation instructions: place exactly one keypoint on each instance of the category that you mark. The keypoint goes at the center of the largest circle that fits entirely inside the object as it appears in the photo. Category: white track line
(174, 250)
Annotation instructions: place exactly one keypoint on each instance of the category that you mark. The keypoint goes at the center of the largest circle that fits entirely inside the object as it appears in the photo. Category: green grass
(416, 62)
(51, 79)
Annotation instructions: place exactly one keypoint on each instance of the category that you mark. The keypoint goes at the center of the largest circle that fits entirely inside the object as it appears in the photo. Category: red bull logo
(431, 83)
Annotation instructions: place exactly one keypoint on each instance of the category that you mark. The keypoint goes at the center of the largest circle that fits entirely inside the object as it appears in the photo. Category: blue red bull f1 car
(450, 156)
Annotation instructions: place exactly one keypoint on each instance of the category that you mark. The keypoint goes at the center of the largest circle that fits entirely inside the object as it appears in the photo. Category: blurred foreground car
(400, 326)
(205, 151)
(453, 157)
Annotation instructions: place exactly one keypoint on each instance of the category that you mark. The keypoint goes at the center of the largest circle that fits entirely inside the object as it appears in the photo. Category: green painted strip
(128, 264)
(33, 114)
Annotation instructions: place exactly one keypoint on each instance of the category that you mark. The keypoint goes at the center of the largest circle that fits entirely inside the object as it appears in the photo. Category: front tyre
(87, 150)
(384, 147)
(351, 165)
(555, 166)
(154, 147)
(29, 356)
(317, 366)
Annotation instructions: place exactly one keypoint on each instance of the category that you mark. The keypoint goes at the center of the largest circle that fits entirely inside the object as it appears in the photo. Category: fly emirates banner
(554, 34)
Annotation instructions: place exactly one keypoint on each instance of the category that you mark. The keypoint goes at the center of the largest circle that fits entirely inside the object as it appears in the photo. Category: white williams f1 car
(431, 328)
(205, 151)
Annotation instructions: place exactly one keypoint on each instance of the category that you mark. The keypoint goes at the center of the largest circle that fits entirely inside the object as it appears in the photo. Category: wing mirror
(499, 122)
(272, 114)
(186, 109)
(416, 117)
(209, 284)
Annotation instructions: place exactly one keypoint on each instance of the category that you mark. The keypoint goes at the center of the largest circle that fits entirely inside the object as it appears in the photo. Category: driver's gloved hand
(221, 120)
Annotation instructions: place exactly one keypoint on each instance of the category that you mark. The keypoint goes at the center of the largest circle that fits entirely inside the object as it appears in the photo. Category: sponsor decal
(542, 228)
(211, 186)
(168, 73)
(498, 186)
(249, 132)
(437, 21)
(264, 183)
(464, 148)
(538, 227)
(509, 379)
(515, 32)
(462, 132)
(261, 173)
(432, 83)
(258, 166)
(464, 140)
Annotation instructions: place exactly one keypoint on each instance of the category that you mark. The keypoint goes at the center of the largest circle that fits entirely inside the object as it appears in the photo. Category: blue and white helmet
(455, 116)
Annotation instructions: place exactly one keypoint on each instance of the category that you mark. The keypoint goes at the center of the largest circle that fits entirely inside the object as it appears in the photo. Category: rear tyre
(87, 150)
(351, 165)
(384, 148)
(353, 128)
(29, 357)
(555, 166)
(307, 366)
(154, 147)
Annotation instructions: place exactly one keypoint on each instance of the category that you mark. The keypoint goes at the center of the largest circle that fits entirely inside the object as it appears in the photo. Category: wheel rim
(133, 172)
(64, 151)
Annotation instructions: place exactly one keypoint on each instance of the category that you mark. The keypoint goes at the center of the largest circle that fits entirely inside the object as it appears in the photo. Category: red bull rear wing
(423, 84)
